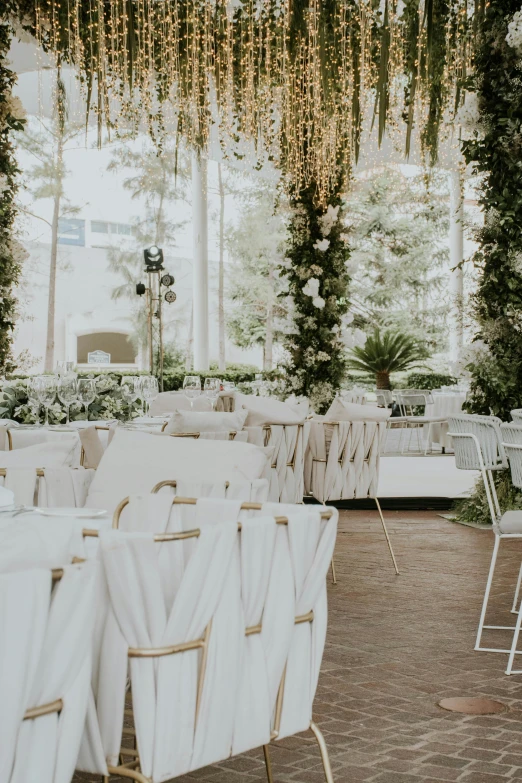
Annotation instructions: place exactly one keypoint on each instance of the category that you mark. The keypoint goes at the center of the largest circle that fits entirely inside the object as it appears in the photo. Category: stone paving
(396, 646)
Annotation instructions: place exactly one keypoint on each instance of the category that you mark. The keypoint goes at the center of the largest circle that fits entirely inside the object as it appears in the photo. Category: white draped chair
(289, 443)
(54, 486)
(45, 653)
(342, 463)
(222, 615)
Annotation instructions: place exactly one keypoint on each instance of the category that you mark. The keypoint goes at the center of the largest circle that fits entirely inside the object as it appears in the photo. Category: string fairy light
(290, 79)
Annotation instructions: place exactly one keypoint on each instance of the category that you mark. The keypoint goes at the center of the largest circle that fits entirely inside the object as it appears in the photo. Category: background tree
(47, 141)
(254, 286)
(157, 178)
(398, 228)
(386, 352)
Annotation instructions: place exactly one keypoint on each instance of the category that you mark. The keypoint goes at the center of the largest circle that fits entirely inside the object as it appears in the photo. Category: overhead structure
(200, 262)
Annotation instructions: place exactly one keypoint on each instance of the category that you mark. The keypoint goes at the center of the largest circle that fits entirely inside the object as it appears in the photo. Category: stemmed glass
(211, 389)
(45, 386)
(150, 390)
(33, 399)
(192, 388)
(130, 391)
(67, 392)
(86, 393)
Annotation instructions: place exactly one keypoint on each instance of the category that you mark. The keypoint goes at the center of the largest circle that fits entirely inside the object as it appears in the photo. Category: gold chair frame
(130, 769)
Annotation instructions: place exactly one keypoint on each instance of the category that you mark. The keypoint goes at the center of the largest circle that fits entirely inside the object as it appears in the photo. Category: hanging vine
(494, 149)
(11, 252)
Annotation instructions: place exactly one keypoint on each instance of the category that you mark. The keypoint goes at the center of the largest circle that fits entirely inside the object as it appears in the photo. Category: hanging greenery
(315, 266)
(494, 149)
(11, 252)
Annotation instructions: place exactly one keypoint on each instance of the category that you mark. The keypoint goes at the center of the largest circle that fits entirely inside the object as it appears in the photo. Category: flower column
(315, 266)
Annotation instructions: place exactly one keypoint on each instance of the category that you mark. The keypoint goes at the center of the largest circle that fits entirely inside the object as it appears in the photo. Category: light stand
(155, 280)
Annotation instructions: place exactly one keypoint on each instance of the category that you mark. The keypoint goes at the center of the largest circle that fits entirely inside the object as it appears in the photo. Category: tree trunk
(221, 273)
(382, 379)
(190, 340)
(51, 305)
(269, 332)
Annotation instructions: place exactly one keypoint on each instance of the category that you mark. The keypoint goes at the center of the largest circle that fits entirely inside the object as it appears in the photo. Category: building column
(456, 334)
(200, 262)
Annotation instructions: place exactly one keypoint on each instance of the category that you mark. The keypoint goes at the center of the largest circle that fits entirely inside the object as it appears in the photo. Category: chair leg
(486, 594)
(514, 608)
(268, 764)
(514, 644)
(428, 441)
(383, 523)
(324, 753)
(123, 772)
(334, 575)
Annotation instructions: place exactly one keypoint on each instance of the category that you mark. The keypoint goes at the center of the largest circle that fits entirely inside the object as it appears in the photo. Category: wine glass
(150, 390)
(67, 392)
(192, 388)
(130, 391)
(33, 399)
(86, 393)
(45, 386)
(211, 388)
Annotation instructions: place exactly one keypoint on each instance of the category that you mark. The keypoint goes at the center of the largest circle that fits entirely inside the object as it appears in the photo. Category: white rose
(312, 287)
(318, 302)
(322, 245)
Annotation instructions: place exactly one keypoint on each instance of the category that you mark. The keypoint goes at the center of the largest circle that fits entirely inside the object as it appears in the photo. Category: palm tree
(387, 352)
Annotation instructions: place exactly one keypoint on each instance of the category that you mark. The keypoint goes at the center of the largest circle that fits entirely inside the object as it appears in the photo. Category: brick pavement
(396, 646)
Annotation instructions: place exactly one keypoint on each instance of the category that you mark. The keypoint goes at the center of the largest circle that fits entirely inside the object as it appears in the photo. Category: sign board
(98, 357)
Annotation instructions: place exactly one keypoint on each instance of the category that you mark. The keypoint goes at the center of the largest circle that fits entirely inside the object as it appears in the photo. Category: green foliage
(11, 253)
(475, 507)
(495, 152)
(108, 404)
(317, 361)
(398, 227)
(429, 381)
(384, 353)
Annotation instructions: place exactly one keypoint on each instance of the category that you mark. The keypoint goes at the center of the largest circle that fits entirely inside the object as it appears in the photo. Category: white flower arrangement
(514, 35)
(468, 115)
(328, 220)
(16, 108)
(322, 245)
(311, 288)
(344, 238)
(318, 302)
(4, 183)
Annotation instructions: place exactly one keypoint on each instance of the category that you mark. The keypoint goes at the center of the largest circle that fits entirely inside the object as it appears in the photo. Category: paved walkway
(396, 646)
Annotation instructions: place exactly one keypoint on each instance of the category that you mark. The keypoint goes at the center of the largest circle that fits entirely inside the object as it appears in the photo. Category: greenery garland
(495, 152)
(11, 252)
(315, 267)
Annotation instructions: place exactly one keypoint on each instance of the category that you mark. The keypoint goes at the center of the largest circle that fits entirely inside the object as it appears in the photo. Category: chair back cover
(45, 650)
(485, 445)
(342, 460)
(289, 443)
(200, 706)
(66, 487)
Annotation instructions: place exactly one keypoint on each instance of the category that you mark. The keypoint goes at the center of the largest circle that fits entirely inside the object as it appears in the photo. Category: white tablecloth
(444, 405)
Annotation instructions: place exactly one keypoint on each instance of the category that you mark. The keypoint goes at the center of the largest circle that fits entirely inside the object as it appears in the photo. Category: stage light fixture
(140, 289)
(153, 258)
(170, 297)
(167, 280)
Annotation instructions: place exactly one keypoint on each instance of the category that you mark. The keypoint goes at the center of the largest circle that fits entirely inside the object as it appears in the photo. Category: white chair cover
(163, 594)
(45, 655)
(66, 487)
(289, 443)
(20, 438)
(342, 461)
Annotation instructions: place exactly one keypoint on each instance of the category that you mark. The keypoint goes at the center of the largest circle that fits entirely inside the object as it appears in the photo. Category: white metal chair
(384, 397)
(477, 441)
(516, 415)
(511, 521)
(410, 399)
